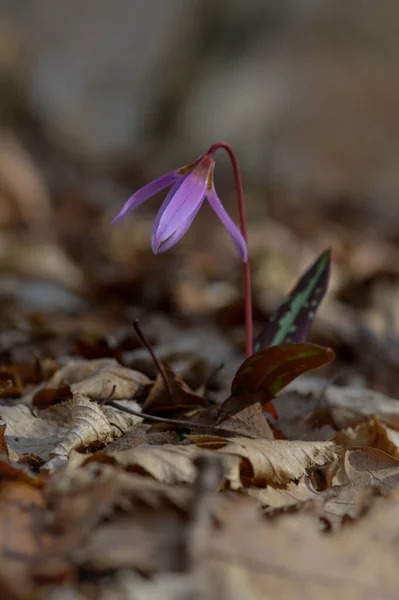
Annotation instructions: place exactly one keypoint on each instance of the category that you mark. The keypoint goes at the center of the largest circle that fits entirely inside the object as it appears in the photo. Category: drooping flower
(189, 187)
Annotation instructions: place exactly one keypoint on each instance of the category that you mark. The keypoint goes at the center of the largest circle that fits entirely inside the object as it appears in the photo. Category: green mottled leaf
(293, 319)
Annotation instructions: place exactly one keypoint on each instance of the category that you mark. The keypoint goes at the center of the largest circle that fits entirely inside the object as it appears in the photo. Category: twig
(157, 362)
(200, 427)
(103, 401)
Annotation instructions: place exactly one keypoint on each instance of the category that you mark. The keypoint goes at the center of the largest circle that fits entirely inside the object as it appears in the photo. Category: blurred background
(98, 98)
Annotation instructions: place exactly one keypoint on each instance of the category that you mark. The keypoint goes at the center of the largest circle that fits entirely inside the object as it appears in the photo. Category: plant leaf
(270, 370)
(293, 319)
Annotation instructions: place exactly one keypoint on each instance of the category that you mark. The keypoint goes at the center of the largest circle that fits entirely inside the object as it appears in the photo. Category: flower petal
(231, 227)
(186, 201)
(146, 192)
(159, 214)
(177, 235)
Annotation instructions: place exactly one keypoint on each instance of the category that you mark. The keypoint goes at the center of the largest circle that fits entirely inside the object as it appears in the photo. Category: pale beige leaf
(293, 495)
(121, 421)
(369, 466)
(27, 434)
(61, 428)
(172, 464)
(365, 468)
(372, 433)
(100, 379)
(276, 461)
(88, 424)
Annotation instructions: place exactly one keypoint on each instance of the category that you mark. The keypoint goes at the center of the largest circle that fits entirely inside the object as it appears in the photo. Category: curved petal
(159, 214)
(236, 235)
(185, 202)
(177, 235)
(146, 192)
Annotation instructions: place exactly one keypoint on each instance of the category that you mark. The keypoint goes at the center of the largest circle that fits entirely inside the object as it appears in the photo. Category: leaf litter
(240, 481)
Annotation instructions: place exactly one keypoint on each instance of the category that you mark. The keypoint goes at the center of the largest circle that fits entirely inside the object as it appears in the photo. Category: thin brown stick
(157, 362)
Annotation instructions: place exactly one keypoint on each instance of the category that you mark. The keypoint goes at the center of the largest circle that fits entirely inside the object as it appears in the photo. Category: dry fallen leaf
(169, 464)
(292, 495)
(365, 468)
(177, 395)
(27, 434)
(370, 433)
(245, 418)
(245, 461)
(100, 379)
(272, 461)
(59, 429)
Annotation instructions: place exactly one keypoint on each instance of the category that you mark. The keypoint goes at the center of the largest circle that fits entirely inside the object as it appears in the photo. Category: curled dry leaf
(56, 431)
(99, 379)
(365, 468)
(88, 425)
(169, 464)
(245, 461)
(370, 433)
(27, 434)
(178, 396)
(293, 495)
(236, 415)
(273, 461)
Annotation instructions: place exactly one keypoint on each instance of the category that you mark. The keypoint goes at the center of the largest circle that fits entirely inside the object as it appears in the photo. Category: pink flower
(189, 187)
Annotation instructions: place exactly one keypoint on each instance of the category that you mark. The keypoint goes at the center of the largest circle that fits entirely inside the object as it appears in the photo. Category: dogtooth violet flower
(189, 187)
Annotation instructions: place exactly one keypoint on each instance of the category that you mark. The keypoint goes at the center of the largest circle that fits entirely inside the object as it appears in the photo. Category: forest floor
(176, 498)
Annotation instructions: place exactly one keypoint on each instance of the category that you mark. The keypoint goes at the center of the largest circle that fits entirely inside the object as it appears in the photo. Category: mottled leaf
(293, 319)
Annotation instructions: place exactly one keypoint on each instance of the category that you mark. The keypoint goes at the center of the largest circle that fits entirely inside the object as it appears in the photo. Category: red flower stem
(243, 225)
